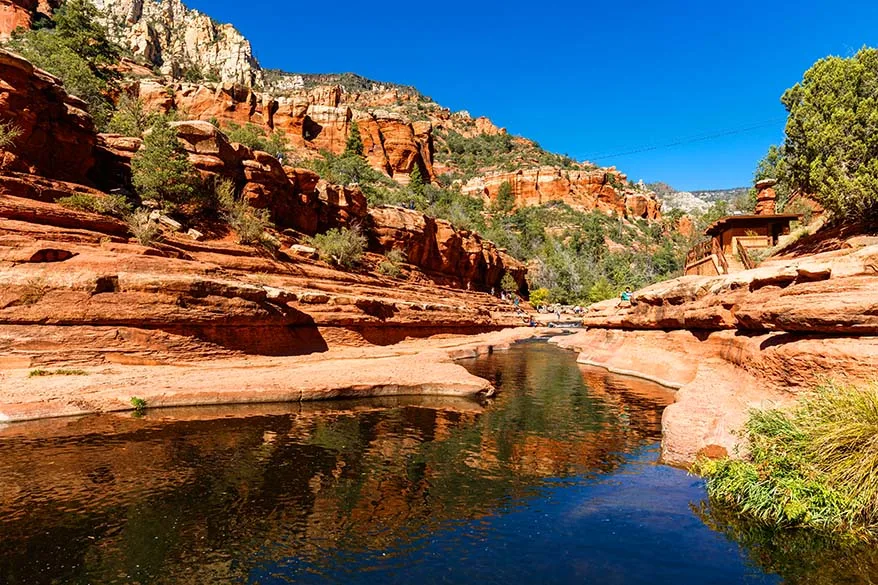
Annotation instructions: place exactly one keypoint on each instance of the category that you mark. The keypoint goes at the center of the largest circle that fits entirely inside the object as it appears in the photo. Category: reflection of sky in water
(633, 526)
(551, 481)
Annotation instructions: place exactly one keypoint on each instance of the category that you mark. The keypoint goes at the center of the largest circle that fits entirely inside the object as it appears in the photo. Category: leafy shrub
(161, 169)
(539, 297)
(249, 223)
(139, 405)
(144, 229)
(254, 137)
(129, 119)
(77, 51)
(9, 133)
(115, 205)
(341, 247)
(34, 291)
(813, 467)
(60, 372)
(347, 169)
(390, 265)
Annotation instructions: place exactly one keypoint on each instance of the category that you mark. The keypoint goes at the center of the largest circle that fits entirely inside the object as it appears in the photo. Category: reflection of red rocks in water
(319, 473)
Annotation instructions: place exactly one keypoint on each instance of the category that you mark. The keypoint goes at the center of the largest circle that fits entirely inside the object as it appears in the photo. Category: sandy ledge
(423, 367)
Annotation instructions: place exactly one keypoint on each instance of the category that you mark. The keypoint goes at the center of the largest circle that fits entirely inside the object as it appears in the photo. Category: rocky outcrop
(766, 197)
(298, 199)
(600, 189)
(309, 122)
(75, 283)
(176, 39)
(755, 338)
(15, 14)
(436, 246)
(56, 133)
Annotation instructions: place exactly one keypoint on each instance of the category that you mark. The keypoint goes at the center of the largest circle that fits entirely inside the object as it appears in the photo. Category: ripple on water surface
(553, 481)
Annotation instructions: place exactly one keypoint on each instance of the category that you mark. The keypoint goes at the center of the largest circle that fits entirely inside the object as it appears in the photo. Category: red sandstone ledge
(416, 367)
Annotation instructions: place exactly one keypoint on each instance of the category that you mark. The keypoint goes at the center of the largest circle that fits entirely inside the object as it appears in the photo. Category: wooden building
(730, 239)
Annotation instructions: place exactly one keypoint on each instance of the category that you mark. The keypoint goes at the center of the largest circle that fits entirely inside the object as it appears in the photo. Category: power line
(691, 139)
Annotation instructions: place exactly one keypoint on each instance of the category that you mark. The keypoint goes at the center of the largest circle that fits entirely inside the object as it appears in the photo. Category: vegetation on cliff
(74, 46)
(812, 467)
(829, 151)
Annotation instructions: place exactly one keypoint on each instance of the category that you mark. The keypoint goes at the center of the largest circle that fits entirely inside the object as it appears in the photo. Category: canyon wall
(753, 339)
(584, 190)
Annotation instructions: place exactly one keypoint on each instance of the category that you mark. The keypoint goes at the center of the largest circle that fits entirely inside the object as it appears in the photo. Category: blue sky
(583, 78)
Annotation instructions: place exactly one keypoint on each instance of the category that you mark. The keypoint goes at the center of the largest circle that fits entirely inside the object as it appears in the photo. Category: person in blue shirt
(626, 295)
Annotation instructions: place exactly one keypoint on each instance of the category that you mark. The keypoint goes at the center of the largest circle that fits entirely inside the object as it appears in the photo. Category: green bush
(539, 297)
(254, 137)
(340, 247)
(77, 51)
(115, 205)
(161, 169)
(390, 266)
(129, 119)
(508, 284)
(9, 133)
(144, 229)
(249, 223)
(813, 467)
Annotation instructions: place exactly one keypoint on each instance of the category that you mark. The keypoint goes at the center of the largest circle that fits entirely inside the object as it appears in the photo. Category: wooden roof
(730, 221)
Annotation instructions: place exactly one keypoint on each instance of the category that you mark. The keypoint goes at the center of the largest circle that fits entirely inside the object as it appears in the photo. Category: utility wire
(691, 139)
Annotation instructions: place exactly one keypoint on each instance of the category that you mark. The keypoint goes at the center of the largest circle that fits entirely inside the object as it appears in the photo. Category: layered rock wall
(585, 190)
(57, 135)
(753, 339)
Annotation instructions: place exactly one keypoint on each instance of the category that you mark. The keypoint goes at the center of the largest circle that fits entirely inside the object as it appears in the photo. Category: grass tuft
(813, 467)
(60, 372)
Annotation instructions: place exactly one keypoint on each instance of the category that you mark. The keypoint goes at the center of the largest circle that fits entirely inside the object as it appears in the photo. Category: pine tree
(354, 142)
(416, 181)
(161, 169)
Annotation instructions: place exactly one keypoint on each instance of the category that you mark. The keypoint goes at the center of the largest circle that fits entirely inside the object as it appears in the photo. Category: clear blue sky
(582, 78)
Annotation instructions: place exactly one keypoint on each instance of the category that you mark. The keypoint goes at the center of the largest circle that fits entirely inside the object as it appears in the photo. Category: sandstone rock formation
(751, 339)
(177, 39)
(766, 198)
(15, 14)
(57, 135)
(581, 189)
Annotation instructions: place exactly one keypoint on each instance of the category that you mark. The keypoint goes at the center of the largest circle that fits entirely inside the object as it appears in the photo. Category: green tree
(161, 169)
(354, 143)
(76, 50)
(129, 119)
(76, 22)
(830, 146)
(508, 284)
(505, 201)
(416, 181)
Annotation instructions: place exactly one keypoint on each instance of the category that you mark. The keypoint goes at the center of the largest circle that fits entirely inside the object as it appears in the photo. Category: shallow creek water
(554, 480)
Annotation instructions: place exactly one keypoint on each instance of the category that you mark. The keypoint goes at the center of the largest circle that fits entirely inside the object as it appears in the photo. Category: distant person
(626, 296)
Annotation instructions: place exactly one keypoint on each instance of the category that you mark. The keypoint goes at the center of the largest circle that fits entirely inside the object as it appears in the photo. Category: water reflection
(800, 557)
(366, 491)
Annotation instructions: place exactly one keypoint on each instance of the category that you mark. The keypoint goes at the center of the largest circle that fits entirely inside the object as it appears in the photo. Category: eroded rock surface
(753, 339)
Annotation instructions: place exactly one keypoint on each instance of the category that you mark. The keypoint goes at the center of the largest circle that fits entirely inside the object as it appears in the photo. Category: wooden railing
(744, 256)
(717, 250)
(701, 250)
(706, 248)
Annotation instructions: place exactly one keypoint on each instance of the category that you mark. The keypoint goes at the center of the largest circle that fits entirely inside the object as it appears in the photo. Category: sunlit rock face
(176, 39)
